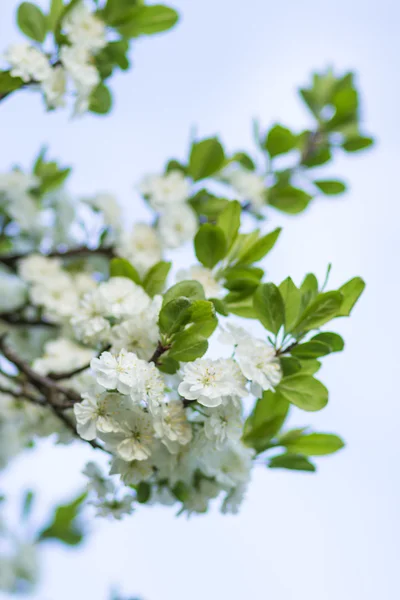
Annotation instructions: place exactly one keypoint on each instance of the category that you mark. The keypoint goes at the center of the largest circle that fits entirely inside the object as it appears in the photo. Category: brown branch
(159, 351)
(108, 251)
(43, 383)
(68, 374)
(281, 351)
(15, 319)
(23, 394)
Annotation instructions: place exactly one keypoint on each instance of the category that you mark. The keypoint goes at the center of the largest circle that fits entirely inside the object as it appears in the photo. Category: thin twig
(13, 319)
(11, 259)
(159, 351)
(22, 395)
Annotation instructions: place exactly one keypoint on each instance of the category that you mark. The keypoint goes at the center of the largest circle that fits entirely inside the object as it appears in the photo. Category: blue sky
(326, 536)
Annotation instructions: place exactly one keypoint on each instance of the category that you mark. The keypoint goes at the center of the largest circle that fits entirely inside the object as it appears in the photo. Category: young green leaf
(56, 9)
(357, 143)
(294, 462)
(291, 296)
(316, 444)
(100, 100)
(120, 267)
(269, 307)
(351, 292)
(311, 349)
(279, 141)
(8, 83)
(187, 346)
(189, 289)
(32, 21)
(210, 245)
(325, 307)
(174, 315)
(229, 221)
(288, 199)
(334, 340)
(258, 248)
(206, 158)
(265, 421)
(155, 278)
(304, 391)
(147, 20)
(330, 187)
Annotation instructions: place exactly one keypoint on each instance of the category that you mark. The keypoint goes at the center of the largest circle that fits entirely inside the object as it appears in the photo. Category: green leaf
(189, 289)
(351, 291)
(265, 421)
(64, 526)
(304, 391)
(143, 492)
(120, 267)
(294, 462)
(168, 365)
(100, 100)
(242, 308)
(118, 12)
(229, 221)
(207, 205)
(357, 143)
(334, 340)
(317, 157)
(310, 366)
(27, 504)
(187, 346)
(202, 314)
(290, 365)
(311, 349)
(206, 158)
(316, 444)
(8, 83)
(325, 307)
(308, 290)
(279, 141)
(242, 278)
(56, 9)
(330, 187)
(148, 20)
(181, 491)
(155, 278)
(244, 160)
(32, 21)
(291, 296)
(258, 248)
(269, 307)
(174, 315)
(210, 245)
(288, 199)
(219, 306)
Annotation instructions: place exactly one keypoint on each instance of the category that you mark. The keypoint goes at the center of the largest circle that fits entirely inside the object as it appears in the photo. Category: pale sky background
(333, 535)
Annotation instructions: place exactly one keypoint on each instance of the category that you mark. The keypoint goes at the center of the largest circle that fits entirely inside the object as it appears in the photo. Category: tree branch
(108, 251)
(158, 352)
(15, 319)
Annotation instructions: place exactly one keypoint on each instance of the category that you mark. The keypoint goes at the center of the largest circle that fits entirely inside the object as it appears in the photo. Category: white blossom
(16, 182)
(177, 225)
(115, 508)
(115, 372)
(165, 190)
(122, 298)
(249, 185)
(212, 288)
(135, 440)
(223, 423)
(55, 86)
(208, 381)
(84, 29)
(141, 247)
(62, 355)
(99, 412)
(132, 472)
(97, 481)
(107, 205)
(27, 62)
(171, 424)
(139, 334)
(259, 364)
(77, 62)
(38, 269)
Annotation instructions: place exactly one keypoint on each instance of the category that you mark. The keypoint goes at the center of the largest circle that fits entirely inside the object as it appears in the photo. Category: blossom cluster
(72, 70)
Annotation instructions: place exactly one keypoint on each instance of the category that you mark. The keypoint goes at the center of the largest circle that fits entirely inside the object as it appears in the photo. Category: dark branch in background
(68, 374)
(49, 389)
(15, 319)
(11, 259)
